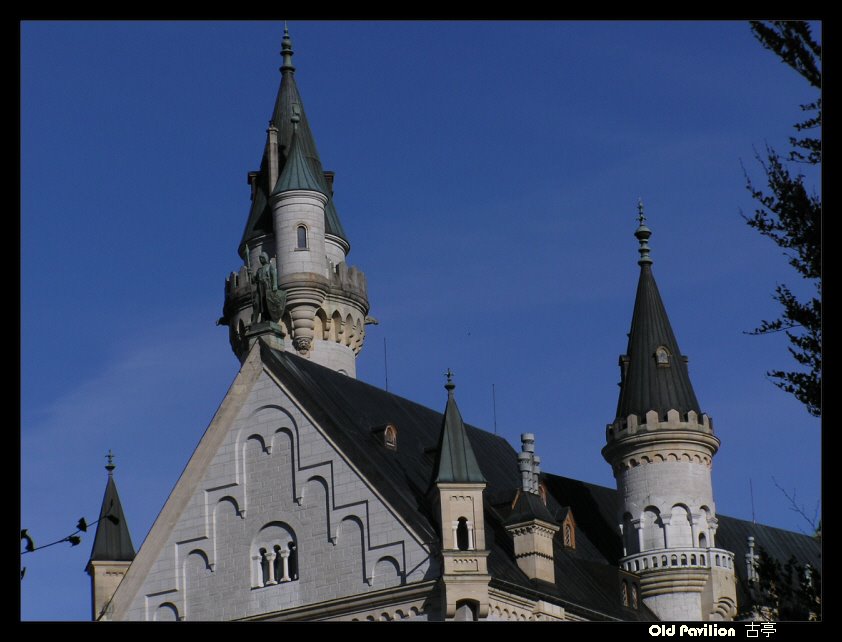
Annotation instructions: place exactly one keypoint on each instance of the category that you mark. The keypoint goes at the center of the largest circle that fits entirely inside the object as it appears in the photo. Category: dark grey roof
(112, 541)
(528, 506)
(587, 577)
(455, 459)
(259, 222)
(297, 173)
(645, 384)
(350, 409)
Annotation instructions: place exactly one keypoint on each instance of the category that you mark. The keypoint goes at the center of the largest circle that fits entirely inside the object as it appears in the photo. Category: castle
(314, 496)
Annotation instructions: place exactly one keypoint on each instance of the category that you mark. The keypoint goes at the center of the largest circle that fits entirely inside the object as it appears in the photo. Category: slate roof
(298, 173)
(646, 385)
(529, 506)
(112, 542)
(587, 577)
(455, 459)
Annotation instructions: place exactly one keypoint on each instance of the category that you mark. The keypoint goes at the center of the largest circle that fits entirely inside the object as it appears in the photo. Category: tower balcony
(678, 558)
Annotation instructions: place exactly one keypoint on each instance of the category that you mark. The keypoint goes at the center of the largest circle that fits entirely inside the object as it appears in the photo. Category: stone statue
(268, 301)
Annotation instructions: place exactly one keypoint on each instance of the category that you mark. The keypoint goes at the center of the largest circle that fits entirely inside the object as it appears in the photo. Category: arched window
(624, 593)
(703, 540)
(568, 536)
(391, 437)
(301, 237)
(462, 539)
(634, 596)
(276, 556)
(662, 357)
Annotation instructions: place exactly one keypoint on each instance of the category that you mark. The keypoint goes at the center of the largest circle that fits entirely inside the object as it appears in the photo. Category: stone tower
(295, 287)
(458, 494)
(661, 448)
(112, 552)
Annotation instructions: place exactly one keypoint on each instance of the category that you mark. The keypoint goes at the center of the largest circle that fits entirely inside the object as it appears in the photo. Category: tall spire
(287, 101)
(456, 460)
(112, 541)
(654, 373)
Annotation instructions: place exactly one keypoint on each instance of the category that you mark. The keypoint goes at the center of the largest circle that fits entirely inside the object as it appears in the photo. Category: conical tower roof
(112, 542)
(455, 459)
(654, 373)
(297, 173)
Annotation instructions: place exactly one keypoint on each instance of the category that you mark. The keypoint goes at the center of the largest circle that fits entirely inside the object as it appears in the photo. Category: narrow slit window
(462, 540)
(301, 237)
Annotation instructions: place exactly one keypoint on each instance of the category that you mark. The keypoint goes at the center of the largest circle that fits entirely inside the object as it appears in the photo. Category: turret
(112, 552)
(457, 494)
(298, 210)
(661, 448)
(293, 221)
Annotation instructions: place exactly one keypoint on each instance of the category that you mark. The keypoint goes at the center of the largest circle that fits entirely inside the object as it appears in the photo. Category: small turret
(112, 552)
(458, 494)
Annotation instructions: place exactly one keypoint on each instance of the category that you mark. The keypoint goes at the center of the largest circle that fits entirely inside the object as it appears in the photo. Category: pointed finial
(286, 51)
(110, 465)
(449, 386)
(642, 233)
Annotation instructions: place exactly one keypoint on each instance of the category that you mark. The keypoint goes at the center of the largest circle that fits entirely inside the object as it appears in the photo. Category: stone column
(285, 562)
(270, 557)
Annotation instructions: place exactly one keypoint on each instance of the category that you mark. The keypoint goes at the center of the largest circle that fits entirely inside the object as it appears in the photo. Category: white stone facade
(667, 516)
(255, 484)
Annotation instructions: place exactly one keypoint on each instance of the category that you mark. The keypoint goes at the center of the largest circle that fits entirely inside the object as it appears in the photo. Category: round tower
(320, 305)
(298, 211)
(661, 447)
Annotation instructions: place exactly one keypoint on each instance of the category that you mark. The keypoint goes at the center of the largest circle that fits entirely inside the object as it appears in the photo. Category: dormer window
(662, 357)
(568, 527)
(301, 237)
(387, 435)
(390, 437)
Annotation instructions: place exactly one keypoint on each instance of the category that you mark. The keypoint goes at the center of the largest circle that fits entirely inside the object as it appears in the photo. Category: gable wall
(274, 475)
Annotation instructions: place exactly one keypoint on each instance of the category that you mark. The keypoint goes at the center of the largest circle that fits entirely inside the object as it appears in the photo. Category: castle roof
(455, 459)
(654, 374)
(297, 173)
(112, 541)
(349, 409)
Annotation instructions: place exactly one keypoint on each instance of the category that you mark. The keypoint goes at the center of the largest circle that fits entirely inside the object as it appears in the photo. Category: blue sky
(487, 175)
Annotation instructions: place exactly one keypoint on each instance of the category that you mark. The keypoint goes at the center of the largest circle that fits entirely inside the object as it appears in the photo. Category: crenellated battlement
(349, 280)
(672, 420)
(238, 283)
